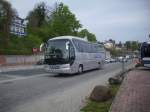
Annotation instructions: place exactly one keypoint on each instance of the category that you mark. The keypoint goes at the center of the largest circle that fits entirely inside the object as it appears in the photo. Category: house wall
(19, 59)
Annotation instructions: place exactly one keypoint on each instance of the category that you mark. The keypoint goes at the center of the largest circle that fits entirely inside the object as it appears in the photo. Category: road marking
(10, 69)
(22, 78)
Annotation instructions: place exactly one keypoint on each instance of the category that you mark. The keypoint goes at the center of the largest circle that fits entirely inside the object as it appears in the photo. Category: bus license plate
(54, 67)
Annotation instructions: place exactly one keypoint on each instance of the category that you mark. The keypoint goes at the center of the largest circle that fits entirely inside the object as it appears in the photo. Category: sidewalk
(134, 93)
(19, 67)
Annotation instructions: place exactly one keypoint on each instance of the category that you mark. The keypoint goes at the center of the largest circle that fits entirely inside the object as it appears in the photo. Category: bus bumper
(64, 69)
(146, 62)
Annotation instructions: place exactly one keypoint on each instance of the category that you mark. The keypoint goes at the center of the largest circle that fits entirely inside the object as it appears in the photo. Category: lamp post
(123, 60)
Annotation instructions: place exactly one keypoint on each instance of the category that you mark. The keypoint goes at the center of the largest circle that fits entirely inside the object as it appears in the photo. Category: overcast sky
(120, 20)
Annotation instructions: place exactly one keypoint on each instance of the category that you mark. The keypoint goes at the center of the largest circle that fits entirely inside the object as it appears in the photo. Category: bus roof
(67, 37)
(146, 43)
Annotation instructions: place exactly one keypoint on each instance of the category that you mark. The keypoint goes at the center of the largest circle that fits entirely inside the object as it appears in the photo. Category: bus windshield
(146, 51)
(57, 52)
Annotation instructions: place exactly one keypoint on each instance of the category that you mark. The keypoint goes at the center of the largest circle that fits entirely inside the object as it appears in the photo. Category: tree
(6, 15)
(128, 45)
(135, 45)
(63, 21)
(47, 23)
(132, 45)
(37, 17)
(120, 44)
(37, 20)
(85, 33)
(115, 52)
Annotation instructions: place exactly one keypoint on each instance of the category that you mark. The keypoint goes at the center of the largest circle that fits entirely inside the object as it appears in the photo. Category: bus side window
(84, 47)
(90, 48)
(76, 44)
(81, 46)
(93, 48)
(72, 52)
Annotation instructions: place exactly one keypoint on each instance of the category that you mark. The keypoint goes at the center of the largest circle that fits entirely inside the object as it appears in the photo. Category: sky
(120, 20)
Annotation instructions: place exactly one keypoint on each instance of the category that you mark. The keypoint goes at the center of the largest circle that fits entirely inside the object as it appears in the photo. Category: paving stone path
(134, 94)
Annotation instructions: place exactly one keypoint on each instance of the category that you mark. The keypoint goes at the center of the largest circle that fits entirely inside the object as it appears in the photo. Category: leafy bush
(21, 45)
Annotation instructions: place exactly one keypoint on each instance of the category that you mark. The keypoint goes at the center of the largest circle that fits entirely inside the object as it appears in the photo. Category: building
(107, 54)
(119, 46)
(109, 44)
(18, 26)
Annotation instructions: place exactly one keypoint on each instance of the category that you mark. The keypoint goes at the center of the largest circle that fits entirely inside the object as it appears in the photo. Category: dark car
(40, 62)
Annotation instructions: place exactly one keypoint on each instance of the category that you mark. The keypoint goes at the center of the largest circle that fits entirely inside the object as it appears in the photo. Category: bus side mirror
(67, 45)
(44, 47)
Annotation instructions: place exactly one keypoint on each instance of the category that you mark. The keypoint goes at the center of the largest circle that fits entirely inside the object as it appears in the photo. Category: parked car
(125, 60)
(40, 62)
(112, 60)
(127, 57)
(107, 60)
(120, 59)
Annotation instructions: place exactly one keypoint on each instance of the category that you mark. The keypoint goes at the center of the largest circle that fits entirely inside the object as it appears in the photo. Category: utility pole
(123, 59)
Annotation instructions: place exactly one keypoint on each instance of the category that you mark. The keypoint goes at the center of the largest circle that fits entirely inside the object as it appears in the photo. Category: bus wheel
(99, 66)
(80, 69)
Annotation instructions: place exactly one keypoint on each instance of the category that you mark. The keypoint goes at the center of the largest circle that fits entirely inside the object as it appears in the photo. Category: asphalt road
(18, 92)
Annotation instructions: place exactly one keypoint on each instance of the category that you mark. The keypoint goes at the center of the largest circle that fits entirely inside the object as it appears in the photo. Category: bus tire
(99, 66)
(80, 69)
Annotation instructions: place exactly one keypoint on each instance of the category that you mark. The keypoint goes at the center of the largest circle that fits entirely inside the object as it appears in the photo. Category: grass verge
(93, 106)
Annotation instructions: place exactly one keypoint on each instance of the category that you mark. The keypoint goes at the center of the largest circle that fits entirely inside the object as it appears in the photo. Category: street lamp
(123, 59)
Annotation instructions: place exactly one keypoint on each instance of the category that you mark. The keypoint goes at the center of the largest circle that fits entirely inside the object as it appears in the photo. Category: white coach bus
(69, 54)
